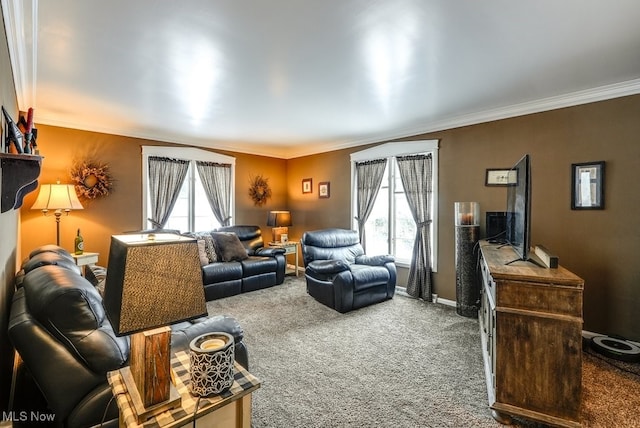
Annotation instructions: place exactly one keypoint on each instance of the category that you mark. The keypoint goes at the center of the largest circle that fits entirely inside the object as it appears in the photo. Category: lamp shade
(57, 197)
(152, 281)
(279, 218)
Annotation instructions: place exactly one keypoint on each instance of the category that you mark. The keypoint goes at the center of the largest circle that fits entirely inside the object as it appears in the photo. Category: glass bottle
(79, 244)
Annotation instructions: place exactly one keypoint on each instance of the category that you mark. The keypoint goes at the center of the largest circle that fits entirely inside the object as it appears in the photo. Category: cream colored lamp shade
(58, 197)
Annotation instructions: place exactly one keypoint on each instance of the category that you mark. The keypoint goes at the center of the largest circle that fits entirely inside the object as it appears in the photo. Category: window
(191, 212)
(390, 228)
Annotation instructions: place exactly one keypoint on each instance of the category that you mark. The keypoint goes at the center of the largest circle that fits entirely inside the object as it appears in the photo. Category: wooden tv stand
(531, 329)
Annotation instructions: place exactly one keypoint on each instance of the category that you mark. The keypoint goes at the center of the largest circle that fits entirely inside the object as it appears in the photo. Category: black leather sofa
(258, 268)
(339, 274)
(67, 345)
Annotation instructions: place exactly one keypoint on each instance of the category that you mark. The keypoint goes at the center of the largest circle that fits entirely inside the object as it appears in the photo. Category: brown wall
(121, 210)
(600, 245)
(597, 245)
(310, 212)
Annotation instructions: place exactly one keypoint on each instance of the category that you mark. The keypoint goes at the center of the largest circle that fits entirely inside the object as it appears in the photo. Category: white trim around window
(186, 153)
(403, 148)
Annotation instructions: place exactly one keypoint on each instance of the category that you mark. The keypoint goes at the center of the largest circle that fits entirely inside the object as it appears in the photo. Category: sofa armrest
(269, 251)
(378, 260)
(327, 267)
(183, 333)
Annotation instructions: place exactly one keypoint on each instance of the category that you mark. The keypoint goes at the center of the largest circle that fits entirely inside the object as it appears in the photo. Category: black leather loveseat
(59, 327)
(238, 262)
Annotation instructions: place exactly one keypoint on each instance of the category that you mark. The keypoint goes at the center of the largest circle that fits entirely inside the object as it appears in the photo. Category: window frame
(185, 153)
(392, 150)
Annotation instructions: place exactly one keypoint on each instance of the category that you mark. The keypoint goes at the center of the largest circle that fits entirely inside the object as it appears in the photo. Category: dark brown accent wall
(600, 246)
(596, 245)
(121, 211)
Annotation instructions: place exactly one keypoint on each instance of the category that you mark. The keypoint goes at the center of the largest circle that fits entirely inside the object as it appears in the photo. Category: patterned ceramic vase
(212, 359)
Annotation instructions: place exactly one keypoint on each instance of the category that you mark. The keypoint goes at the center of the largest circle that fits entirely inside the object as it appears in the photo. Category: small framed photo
(500, 177)
(307, 185)
(587, 186)
(324, 189)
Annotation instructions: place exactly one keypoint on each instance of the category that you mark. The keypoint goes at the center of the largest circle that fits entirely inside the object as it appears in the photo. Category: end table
(290, 247)
(231, 408)
(85, 259)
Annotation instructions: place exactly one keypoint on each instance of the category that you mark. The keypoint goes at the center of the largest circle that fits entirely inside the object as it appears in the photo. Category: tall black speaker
(496, 226)
(467, 223)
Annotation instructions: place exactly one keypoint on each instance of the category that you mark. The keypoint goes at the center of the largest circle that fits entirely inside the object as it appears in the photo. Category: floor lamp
(58, 197)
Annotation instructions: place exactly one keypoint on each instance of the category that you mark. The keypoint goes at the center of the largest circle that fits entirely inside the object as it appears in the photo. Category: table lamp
(152, 280)
(58, 197)
(279, 220)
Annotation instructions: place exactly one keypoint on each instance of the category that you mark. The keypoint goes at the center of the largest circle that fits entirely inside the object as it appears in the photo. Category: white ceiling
(288, 78)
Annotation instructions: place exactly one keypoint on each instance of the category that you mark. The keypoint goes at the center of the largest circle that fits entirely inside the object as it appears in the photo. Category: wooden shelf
(19, 177)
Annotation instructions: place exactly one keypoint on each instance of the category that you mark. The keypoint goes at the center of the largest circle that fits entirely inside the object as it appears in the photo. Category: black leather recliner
(339, 274)
(59, 327)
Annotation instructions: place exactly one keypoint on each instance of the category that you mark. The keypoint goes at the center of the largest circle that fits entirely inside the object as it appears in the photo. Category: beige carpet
(401, 363)
(610, 393)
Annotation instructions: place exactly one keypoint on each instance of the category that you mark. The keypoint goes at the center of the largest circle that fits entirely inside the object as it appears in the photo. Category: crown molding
(602, 93)
(20, 20)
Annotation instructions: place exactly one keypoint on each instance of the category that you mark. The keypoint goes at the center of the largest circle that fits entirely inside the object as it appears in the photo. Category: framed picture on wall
(307, 185)
(324, 189)
(587, 186)
(499, 177)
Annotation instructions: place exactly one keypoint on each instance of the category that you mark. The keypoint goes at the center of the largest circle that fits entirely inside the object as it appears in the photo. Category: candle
(212, 344)
(466, 218)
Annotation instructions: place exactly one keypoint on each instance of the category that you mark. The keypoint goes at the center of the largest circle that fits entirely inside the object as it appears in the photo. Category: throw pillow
(202, 251)
(229, 247)
(209, 246)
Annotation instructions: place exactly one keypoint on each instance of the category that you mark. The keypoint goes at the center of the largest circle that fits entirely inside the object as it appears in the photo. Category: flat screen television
(518, 221)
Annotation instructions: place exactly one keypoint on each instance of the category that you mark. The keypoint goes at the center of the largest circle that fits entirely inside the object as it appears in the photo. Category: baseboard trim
(439, 300)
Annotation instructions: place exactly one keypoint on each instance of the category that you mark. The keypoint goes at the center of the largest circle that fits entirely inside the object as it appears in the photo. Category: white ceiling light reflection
(388, 48)
(198, 72)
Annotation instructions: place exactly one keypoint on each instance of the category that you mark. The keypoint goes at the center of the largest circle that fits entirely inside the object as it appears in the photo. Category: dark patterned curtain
(416, 173)
(368, 178)
(216, 180)
(165, 180)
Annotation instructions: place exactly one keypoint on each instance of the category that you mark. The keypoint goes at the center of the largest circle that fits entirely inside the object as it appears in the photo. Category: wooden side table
(290, 247)
(231, 408)
(85, 259)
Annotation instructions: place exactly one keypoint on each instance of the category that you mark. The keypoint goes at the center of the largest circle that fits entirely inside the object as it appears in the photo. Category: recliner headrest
(46, 258)
(331, 238)
(70, 308)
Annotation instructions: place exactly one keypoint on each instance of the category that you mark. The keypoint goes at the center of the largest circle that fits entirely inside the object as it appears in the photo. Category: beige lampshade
(57, 197)
(153, 280)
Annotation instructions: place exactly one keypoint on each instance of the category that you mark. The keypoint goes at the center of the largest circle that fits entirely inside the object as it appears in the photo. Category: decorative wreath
(92, 179)
(259, 190)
